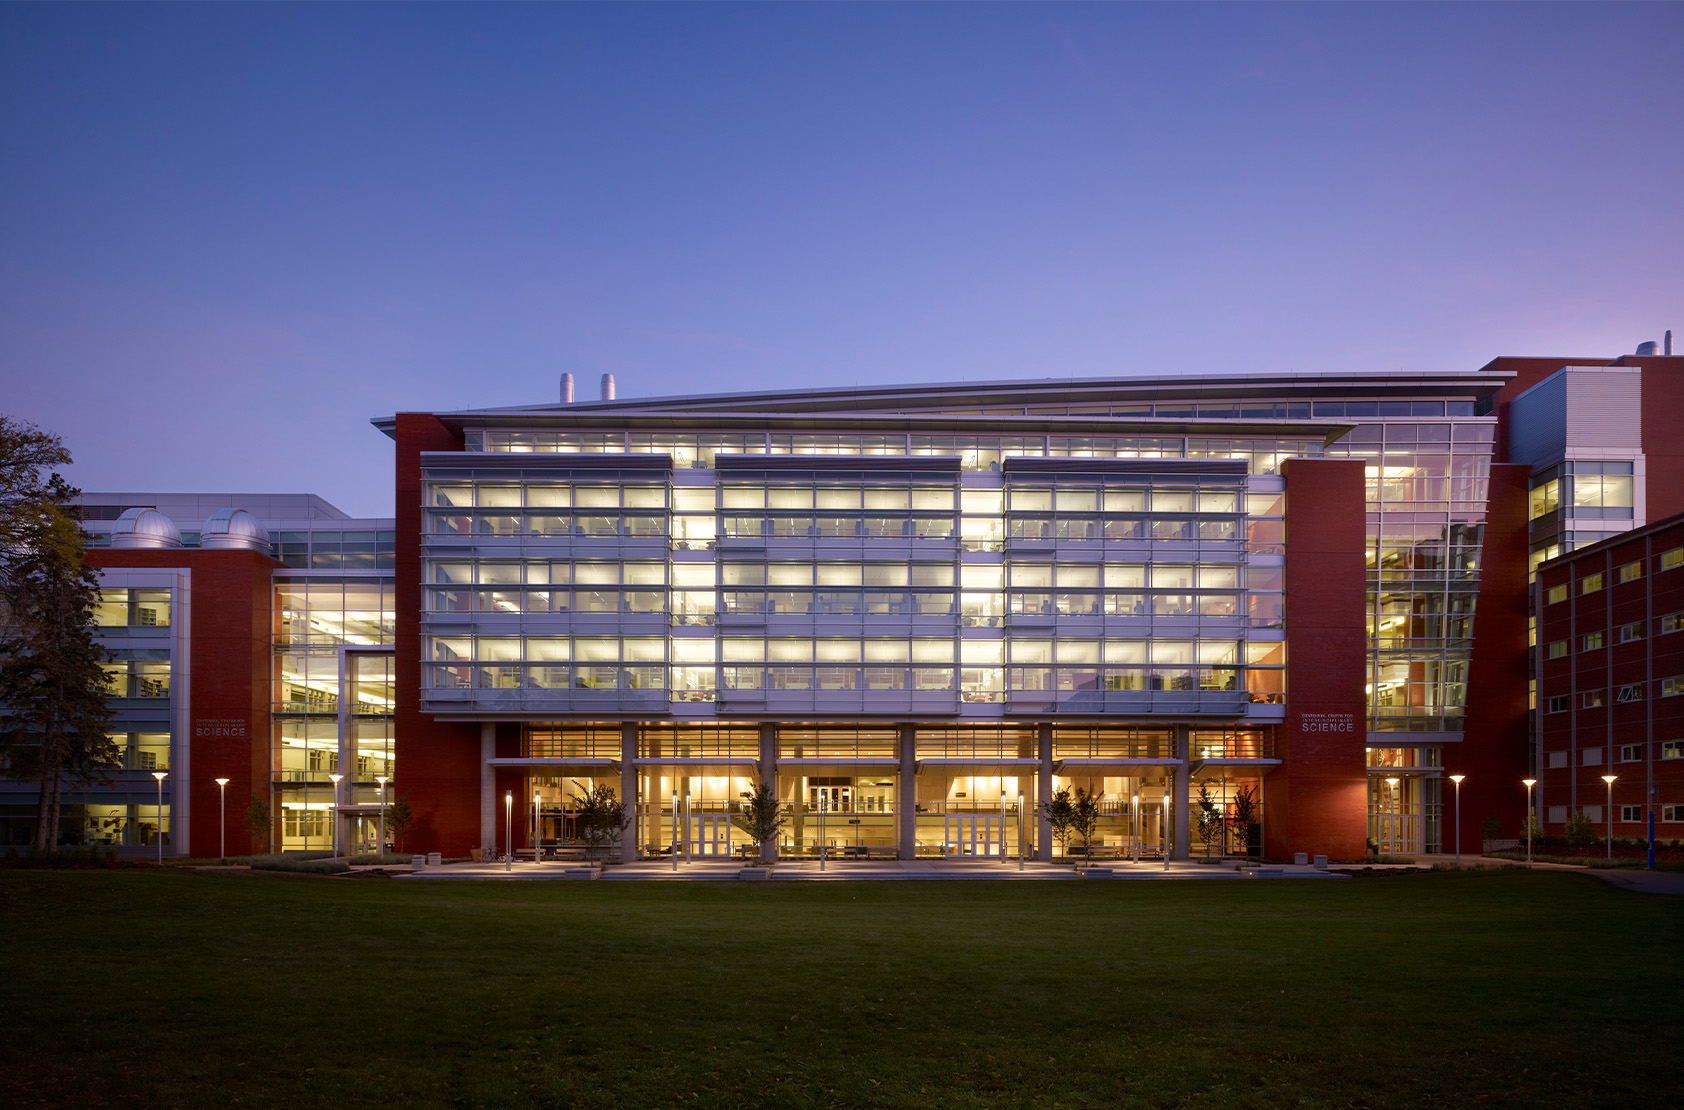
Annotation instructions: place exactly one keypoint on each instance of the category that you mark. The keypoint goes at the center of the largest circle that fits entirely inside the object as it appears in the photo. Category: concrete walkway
(854, 871)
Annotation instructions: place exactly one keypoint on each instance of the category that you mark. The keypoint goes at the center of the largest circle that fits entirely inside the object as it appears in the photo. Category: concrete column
(632, 838)
(1043, 794)
(1181, 791)
(767, 770)
(487, 785)
(906, 796)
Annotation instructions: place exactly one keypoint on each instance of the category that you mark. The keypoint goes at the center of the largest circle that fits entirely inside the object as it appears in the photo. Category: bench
(861, 851)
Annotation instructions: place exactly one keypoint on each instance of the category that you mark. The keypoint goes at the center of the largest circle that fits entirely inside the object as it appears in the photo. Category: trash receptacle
(1300, 858)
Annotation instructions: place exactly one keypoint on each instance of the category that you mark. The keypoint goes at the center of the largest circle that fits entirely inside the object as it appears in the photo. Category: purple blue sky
(233, 233)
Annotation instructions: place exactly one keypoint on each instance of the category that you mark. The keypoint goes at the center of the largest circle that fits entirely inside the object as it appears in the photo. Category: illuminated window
(1593, 641)
(1631, 571)
(1590, 583)
(1557, 649)
(1557, 593)
(1672, 560)
(1591, 699)
(1631, 693)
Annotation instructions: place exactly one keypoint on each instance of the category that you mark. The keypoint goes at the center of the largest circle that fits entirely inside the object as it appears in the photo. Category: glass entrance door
(976, 834)
(709, 834)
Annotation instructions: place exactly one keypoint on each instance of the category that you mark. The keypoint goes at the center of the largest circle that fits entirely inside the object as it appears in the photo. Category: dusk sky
(232, 234)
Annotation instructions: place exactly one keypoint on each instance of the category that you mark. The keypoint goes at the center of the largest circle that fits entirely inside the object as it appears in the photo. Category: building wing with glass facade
(967, 597)
(1247, 612)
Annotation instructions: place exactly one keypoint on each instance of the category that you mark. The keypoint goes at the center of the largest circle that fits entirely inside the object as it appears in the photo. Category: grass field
(191, 989)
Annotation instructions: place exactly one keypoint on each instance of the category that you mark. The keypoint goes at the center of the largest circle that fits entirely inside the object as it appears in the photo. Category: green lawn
(141, 988)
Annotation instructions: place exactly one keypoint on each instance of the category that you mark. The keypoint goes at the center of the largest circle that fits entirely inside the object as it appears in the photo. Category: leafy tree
(1244, 814)
(257, 821)
(1211, 819)
(399, 818)
(53, 691)
(1059, 812)
(1491, 828)
(602, 816)
(763, 817)
(1580, 831)
(1084, 818)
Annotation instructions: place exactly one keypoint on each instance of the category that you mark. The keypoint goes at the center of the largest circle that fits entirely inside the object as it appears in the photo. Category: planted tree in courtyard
(54, 710)
(399, 818)
(1242, 816)
(1058, 813)
(1084, 818)
(1211, 819)
(1580, 831)
(763, 817)
(257, 821)
(602, 817)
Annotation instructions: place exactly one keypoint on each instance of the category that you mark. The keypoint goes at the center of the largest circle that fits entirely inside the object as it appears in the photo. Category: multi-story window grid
(1427, 485)
(932, 571)
(333, 705)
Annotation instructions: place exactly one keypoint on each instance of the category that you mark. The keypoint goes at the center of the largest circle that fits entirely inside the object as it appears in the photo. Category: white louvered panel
(1604, 410)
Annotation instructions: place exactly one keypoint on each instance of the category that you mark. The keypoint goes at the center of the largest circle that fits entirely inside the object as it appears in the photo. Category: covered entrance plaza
(892, 792)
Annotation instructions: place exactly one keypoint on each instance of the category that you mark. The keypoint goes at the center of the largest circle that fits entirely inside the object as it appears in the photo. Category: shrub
(1580, 833)
(1491, 828)
(380, 859)
(309, 863)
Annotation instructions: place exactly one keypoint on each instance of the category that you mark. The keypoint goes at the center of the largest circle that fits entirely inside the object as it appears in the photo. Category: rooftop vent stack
(1649, 348)
(567, 389)
(608, 387)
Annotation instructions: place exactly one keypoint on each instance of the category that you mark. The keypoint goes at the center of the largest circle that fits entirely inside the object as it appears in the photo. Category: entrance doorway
(708, 834)
(975, 834)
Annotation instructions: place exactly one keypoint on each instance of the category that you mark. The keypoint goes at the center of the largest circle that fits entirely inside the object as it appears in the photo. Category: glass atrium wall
(333, 706)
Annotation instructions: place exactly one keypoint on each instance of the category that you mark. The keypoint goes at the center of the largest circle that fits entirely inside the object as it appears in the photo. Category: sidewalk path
(854, 871)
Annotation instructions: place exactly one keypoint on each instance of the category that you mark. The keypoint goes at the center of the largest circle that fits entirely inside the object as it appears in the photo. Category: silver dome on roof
(144, 528)
(234, 528)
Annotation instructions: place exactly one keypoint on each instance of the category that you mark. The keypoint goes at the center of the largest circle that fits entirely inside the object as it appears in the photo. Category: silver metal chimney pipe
(608, 387)
(567, 389)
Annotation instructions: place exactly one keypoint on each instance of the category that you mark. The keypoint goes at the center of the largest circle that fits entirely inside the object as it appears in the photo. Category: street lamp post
(382, 780)
(335, 812)
(690, 827)
(1392, 831)
(1609, 779)
(1169, 834)
(222, 823)
(1002, 824)
(160, 776)
(1457, 779)
(537, 827)
(1021, 845)
(509, 830)
(824, 805)
(675, 830)
(1530, 783)
(1134, 828)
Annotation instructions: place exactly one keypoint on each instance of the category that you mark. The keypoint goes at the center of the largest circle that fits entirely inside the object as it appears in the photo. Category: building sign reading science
(1327, 722)
(231, 727)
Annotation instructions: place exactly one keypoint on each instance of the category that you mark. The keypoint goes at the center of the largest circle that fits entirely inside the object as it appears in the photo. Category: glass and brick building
(925, 608)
